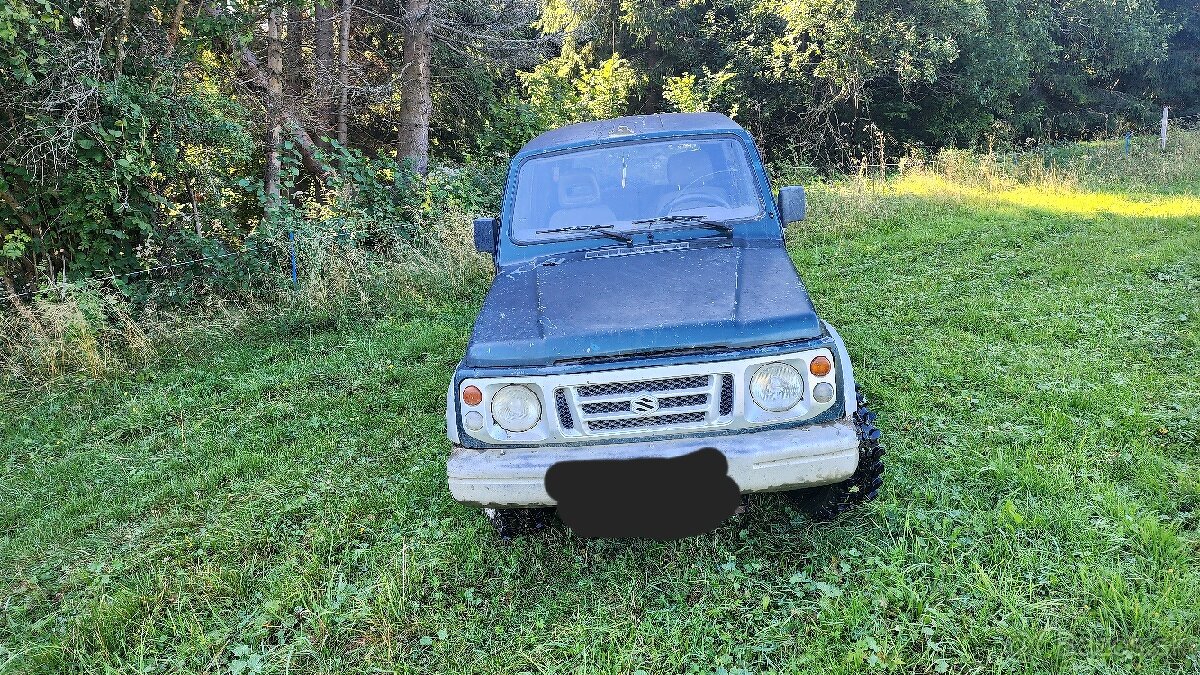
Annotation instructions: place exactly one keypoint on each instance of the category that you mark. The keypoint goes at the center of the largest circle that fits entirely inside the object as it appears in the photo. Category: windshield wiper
(705, 222)
(602, 230)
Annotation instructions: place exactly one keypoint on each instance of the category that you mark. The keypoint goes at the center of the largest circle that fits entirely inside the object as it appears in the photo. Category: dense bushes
(840, 78)
(379, 238)
(133, 135)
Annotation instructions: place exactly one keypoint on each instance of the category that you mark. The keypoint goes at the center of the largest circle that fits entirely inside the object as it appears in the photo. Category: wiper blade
(602, 230)
(697, 220)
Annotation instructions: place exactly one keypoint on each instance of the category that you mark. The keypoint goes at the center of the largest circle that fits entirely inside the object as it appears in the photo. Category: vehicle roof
(633, 126)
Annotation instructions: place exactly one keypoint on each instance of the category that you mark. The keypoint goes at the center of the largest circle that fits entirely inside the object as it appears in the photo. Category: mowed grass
(273, 499)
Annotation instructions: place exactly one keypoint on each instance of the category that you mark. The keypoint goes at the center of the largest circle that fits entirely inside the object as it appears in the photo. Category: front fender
(451, 414)
(843, 357)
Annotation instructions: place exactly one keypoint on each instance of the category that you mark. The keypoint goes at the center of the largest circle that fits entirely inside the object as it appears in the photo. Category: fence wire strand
(1178, 123)
(183, 263)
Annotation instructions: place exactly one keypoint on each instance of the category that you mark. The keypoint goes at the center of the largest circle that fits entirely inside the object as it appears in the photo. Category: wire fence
(1136, 139)
(258, 243)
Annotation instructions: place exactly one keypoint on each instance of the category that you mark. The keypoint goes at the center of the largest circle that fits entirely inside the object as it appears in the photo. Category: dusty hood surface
(606, 305)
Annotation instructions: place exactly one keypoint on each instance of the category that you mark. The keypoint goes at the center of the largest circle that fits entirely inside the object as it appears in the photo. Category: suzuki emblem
(644, 404)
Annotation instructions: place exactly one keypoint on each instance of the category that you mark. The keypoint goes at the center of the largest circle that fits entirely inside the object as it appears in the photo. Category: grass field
(272, 498)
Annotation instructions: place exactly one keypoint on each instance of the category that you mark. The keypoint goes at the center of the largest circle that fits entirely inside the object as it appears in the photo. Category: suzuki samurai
(646, 320)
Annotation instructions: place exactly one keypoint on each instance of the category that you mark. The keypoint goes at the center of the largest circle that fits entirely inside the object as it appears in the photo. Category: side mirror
(792, 204)
(485, 235)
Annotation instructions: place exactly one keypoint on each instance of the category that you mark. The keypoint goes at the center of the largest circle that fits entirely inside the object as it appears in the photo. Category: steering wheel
(696, 200)
(700, 178)
(700, 197)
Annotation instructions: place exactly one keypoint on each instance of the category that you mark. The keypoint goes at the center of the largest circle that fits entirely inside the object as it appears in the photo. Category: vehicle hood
(615, 302)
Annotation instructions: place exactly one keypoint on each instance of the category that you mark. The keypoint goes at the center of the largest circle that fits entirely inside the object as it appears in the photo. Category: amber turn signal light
(820, 366)
(472, 395)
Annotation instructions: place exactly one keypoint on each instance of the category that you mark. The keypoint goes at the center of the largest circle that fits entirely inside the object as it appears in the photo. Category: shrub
(378, 238)
(80, 328)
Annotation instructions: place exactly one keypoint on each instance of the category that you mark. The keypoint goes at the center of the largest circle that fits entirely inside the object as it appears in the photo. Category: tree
(344, 74)
(274, 111)
(441, 36)
(293, 61)
(323, 72)
(1176, 79)
(416, 102)
(838, 78)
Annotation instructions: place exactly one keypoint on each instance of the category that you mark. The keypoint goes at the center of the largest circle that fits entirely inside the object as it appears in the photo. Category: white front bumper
(778, 459)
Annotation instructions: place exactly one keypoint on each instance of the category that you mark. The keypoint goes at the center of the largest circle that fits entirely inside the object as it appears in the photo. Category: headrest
(685, 167)
(577, 187)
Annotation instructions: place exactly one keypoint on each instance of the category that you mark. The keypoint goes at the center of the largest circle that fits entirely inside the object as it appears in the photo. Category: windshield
(617, 185)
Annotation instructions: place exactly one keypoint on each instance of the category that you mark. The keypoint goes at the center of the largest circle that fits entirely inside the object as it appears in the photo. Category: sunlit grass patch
(1066, 199)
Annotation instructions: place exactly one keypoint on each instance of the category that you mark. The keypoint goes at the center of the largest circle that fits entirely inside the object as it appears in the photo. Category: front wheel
(829, 501)
(510, 523)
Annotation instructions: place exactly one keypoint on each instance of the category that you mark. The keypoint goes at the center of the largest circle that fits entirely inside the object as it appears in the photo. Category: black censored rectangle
(655, 498)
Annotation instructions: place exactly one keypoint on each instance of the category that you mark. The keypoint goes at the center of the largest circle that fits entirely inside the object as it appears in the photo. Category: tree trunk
(323, 74)
(9, 287)
(122, 35)
(416, 103)
(274, 111)
(344, 74)
(19, 306)
(308, 148)
(176, 23)
(35, 231)
(293, 62)
(654, 93)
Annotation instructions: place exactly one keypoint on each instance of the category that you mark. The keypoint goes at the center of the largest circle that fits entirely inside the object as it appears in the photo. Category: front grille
(647, 422)
(606, 407)
(565, 419)
(726, 395)
(623, 406)
(656, 404)
(683, 401)
(666, 384)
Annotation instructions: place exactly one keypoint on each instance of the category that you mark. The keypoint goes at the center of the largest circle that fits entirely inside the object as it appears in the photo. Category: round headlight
(516, 408)
(777, 387)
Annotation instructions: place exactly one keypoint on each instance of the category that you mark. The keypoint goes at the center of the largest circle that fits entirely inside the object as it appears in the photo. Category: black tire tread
(827, 502)
(510, 523)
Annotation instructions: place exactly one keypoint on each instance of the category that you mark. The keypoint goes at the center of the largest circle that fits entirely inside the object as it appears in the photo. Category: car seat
(579, 201)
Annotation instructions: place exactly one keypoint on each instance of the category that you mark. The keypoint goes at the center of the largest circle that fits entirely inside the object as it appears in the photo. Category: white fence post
(1162, 137)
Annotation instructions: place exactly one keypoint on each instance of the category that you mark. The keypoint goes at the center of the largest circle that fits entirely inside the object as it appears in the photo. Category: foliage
(133, 139)
(127, 176)
(137, 139)
(566, 89)
(511, 122)
(841, 74)
(378, 235)
(480, 45)
(689, 93)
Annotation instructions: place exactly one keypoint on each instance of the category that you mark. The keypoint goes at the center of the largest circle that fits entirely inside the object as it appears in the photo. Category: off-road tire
(510, 523)
(829, 501)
